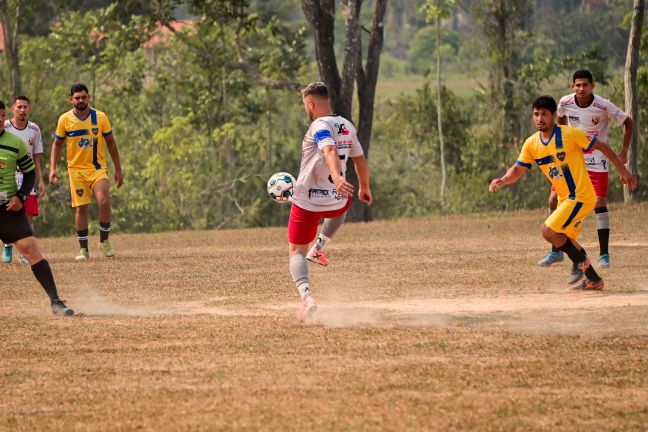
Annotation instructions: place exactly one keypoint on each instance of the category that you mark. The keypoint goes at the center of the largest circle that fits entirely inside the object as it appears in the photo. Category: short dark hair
(545, 102)
(2, 105)
(316, 89)
(582, 73)
(20, 97)
(78, 87)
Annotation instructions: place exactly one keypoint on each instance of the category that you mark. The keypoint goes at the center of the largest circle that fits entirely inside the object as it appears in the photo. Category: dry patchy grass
(435, 323)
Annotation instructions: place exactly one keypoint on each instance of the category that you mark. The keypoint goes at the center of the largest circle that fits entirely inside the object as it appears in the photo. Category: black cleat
(578, 271)
(59, 308)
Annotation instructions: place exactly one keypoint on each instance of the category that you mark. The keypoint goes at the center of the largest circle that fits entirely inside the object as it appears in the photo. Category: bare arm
(57, 147)
(38, 163)
(512, 175)
(562, 120)
(627, 137)
(626, 176)
(362, 169)
(332, 159)
(114, 154)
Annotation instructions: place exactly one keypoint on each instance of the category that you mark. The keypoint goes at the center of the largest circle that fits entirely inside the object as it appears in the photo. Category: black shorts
(14, 225)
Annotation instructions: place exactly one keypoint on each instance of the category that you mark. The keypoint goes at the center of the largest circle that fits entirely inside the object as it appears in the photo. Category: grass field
(442, 323)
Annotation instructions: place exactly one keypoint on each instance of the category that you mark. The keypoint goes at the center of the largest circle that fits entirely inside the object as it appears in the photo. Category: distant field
(441, 323)
(465, 85)
(461, 84)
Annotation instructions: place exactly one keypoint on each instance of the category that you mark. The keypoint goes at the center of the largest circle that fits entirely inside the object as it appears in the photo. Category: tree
(504, 24)
(9, 17)
(630, 84)
(320, 15)
(438, 9)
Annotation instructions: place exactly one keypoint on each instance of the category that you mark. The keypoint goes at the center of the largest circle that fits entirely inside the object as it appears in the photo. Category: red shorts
(302, 225)
(600, 183)
(31, 205)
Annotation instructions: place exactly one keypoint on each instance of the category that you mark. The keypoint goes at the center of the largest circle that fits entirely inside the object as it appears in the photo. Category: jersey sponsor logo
(574, 118)
(84, 143)
(319, 193)
(79, 192)
(554, 173)
(560, 156)
(342, 129)
(596, 120)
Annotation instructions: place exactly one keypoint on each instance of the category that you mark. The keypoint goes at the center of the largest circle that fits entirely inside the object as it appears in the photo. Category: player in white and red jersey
(592, 113)
(321, 190)
(30, 133)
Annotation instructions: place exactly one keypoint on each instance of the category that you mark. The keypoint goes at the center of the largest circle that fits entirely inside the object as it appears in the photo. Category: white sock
(299, 273)
(322, 242)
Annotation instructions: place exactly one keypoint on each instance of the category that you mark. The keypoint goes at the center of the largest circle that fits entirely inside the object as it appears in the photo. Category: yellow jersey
(85, 139)
(561, 160)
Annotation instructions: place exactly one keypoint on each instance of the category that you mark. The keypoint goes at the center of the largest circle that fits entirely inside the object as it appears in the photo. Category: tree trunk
(10, 33)
(440, 114)
(320, 15)
(630, 84)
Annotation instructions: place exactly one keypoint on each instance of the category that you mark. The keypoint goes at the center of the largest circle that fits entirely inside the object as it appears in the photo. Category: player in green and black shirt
(14, 227)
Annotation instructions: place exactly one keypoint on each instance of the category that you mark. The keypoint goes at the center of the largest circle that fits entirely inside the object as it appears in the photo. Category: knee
(29, 249)
(103, 200)
(547, 233)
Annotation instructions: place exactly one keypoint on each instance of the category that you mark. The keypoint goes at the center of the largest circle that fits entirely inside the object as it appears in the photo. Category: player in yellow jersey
(87, 132)
(558, 152)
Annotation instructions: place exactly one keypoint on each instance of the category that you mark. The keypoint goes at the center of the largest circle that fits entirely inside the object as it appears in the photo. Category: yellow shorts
(82, 182)
(568, 217)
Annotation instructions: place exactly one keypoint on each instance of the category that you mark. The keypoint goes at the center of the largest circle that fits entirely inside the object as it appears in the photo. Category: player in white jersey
(30, 133)
(321, 190)
(592, 113)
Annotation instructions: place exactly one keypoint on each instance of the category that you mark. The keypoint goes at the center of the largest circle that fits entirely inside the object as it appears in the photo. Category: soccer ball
(280, 187)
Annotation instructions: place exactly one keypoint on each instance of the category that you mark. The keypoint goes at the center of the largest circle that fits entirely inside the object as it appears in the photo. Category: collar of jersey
(553, 132)
(17, 128)
(589, 105)
(82, 119)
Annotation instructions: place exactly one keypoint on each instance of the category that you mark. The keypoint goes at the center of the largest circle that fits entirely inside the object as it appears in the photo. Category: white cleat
(317, 256)
(307, 309)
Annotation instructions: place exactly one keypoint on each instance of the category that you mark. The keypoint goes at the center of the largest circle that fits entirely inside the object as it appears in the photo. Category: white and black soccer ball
(280, 186)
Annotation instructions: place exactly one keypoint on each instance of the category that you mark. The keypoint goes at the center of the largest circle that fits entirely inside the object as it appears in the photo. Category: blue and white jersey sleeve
(615, 112)
(323, 133)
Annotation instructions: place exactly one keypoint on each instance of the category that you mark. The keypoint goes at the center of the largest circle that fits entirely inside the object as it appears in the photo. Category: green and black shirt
(13, 155)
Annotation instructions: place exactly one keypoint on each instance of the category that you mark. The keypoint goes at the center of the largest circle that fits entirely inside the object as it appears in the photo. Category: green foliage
(405, 152)
(422, 50)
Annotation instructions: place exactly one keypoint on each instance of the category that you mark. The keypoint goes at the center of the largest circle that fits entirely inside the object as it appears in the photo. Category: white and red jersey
(314, 189)
(31, 136)
(592, 119)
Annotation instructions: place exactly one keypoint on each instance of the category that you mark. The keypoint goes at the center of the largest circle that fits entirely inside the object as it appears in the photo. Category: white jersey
(31, 136)
(314, 189)
(592, 119)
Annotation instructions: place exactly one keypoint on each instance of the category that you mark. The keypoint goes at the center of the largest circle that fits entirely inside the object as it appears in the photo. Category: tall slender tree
(630, 84)
(437, 10)
(320, 15)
